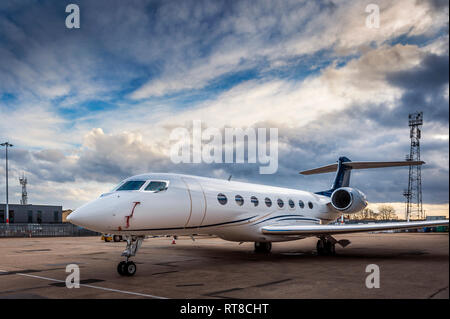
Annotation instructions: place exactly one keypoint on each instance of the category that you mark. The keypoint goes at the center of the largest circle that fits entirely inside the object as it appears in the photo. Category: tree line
(385, 212)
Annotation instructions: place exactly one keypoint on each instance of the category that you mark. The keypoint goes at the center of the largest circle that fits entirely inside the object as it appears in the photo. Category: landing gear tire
(117, 238)
(126, 268)
(320, 247)
(325, 248)
(121, 268)
(330, 248)
(262, 247)
(130, 268)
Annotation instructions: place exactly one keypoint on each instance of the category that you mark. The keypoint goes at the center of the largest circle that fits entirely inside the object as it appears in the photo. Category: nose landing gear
(127, 267)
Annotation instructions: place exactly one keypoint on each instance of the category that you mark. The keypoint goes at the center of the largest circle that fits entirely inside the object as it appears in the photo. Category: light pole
(7, 144)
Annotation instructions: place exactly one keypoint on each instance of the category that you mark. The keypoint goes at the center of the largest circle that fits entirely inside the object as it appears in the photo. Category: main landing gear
(127, 267)
(326, 246)
(263, 247)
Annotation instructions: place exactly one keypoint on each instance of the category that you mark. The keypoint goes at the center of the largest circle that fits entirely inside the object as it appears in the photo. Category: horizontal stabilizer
(359, 165)
(314, 230)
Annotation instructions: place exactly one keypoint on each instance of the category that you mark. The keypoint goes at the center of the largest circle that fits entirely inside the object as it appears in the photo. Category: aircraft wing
(314, 230)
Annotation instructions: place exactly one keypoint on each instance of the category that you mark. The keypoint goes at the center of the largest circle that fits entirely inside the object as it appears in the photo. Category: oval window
(291, 203)
(222, 199)
(280, 203)
(239, 200)
(254, 200)
(301, 204)
(310, 205)
(268, 202)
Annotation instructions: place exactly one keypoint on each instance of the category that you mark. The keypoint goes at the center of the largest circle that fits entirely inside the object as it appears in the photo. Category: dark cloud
(423, 88)
(430, 74)
(437, 4)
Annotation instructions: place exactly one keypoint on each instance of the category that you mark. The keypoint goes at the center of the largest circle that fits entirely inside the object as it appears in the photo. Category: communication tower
(413, 195)
(23, 181)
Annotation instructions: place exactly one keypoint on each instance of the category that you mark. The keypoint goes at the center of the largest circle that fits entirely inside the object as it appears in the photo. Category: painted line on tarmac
(91, 286)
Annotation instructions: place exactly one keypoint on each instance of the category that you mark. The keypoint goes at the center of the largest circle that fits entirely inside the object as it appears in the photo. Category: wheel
(130, 268)
(117, 238)
(261, 247)
(325, 248)
(330, 248)
(121, 268)
(320, 247)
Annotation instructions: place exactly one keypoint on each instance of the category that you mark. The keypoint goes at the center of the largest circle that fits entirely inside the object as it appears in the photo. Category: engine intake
(348, 200)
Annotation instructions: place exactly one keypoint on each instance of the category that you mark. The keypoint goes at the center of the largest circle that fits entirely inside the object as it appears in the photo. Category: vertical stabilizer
(342, 178)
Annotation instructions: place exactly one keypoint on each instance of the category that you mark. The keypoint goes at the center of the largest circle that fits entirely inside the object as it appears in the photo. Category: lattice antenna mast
(413, 195)
(23, 181)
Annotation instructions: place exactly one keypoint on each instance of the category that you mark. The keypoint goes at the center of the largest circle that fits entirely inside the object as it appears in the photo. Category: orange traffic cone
(173, 241)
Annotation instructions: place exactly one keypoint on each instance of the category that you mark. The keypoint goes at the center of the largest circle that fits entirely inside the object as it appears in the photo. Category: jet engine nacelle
(348, 200)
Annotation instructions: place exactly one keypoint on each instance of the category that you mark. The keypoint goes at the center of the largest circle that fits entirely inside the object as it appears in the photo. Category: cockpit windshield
(156, 186)
(131, 186)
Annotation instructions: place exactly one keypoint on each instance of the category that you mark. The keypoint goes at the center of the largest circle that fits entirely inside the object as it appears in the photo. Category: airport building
(31, 214)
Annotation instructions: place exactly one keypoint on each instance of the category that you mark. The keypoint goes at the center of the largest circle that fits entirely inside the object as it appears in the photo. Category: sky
(88, 107)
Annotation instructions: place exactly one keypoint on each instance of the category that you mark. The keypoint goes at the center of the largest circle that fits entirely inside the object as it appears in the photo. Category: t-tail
(343, 198)
(343, 169)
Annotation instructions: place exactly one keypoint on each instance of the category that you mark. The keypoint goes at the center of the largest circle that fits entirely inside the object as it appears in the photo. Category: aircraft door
(198, 202)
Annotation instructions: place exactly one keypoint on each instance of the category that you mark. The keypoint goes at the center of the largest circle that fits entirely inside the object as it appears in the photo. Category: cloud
(246, 35)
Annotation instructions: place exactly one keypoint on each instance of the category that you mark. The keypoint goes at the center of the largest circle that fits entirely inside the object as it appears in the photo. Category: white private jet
(174, 204)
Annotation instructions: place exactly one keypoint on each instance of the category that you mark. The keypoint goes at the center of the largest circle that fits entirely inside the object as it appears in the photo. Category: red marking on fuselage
(132, 212)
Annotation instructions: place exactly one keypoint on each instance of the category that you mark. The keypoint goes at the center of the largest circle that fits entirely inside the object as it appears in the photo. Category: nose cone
(93, 215)
(104, 214)
(79, 217)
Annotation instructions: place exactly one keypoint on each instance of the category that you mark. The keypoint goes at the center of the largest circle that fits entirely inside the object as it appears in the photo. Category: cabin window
(310, 205)
(280, 203)
(222, 199)
(131, 186)
(301, 204)
(268, 202)
(239, 200)
(291, 203)
(156, 186)
(254, 200)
